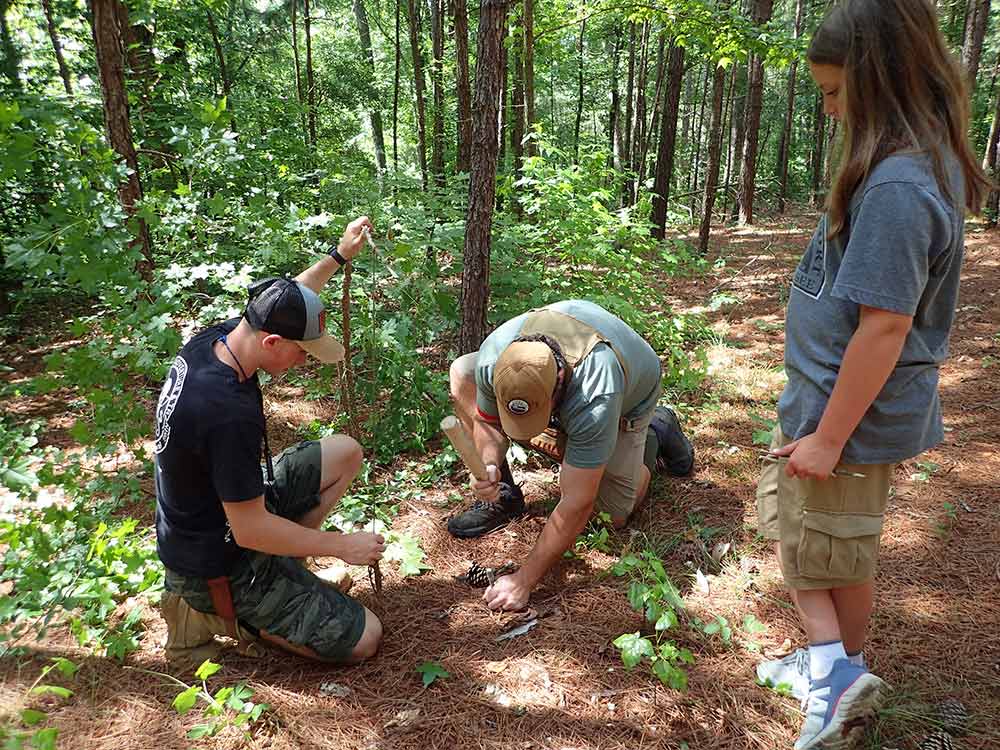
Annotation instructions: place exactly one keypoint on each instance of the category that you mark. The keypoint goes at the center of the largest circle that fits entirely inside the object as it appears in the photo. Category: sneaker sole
(477, 530)
(857, 704)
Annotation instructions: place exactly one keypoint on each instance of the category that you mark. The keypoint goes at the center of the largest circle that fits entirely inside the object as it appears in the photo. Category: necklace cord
(267, 448)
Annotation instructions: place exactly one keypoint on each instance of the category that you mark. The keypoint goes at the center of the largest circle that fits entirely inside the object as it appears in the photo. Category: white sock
(858, 659)
(822, 656)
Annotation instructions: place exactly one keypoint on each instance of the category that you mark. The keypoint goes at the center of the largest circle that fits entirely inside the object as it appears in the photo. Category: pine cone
(953, 717)
(479, 576)
(940, 740)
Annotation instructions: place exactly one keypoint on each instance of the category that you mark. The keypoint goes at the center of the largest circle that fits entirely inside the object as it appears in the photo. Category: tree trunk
(375, 114)
(699, 129)
(528, 21)
(11, 56)
(714, 152)
(579, 95)
(737, 129)
(517, 118)
(668, 137)
(464, 92)
(614, 117)
(395, 95)
(785, 144)
(761, 15)
(976, 21)
(727, 121)
(110, 54)
(629, 98)
(310, 81)
(639, 118)
(413, 19)
(220, 57)
(482, 177)
(299, 96)
(991, 164)
(437, 80)
(57, 46)
(831, 136)
(819, 140)
(654, 123)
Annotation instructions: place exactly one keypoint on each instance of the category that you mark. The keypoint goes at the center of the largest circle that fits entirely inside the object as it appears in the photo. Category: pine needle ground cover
(443, 680)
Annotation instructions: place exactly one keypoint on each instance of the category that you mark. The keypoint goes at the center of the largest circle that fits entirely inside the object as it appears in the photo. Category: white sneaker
(838, 706)
(788, 675)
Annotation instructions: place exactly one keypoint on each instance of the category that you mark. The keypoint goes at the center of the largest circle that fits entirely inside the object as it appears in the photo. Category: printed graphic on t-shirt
(811, 273)
(169, 395)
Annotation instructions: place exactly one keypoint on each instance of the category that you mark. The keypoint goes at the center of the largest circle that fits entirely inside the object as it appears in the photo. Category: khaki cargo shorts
(828, 530)
(618, 492)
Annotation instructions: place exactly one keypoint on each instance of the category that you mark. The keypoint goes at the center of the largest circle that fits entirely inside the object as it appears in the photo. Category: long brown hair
(903, 90)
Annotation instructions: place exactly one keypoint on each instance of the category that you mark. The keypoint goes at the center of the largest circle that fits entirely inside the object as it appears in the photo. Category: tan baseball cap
(523, 379)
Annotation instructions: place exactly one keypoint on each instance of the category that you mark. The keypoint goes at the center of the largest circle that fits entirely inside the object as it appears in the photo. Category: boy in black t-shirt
(231, 542)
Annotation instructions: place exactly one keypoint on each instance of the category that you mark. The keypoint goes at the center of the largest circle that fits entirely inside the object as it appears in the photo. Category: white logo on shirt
(169, 395)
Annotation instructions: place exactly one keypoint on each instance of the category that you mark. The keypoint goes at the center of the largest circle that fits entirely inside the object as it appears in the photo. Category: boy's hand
(354, 237)
(810, 457)
(488, 489)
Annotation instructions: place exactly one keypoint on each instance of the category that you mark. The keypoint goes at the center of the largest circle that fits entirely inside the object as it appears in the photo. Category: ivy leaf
(430, 671)
(633, 647)
(186, 700)
(667, 620)
(670, 675)
(207, 669)
(405, 550)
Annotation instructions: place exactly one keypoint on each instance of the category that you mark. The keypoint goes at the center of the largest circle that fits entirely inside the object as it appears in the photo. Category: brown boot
(191, 634)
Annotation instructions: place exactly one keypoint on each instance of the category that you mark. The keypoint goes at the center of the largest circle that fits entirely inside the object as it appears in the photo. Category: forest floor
(935, 634)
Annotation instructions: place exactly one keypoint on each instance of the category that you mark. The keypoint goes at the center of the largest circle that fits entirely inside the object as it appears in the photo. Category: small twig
(766, 455)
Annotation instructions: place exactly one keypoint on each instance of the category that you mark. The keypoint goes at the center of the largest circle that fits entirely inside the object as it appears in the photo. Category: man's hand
(354, 237)
(362, 548)
(508, 593)
(488, 489)
(810, 457)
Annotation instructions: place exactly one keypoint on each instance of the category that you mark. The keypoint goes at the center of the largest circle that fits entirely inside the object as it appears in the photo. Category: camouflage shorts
(277, 594)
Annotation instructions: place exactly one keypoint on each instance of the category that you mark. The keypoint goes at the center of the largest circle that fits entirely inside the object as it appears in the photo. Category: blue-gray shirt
(901, 250)
(598, 395)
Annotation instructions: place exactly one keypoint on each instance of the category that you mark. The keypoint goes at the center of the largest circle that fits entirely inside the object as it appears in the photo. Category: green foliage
(765, 429)
(430, 671)
(229, 706)
(16, 442)
(34, 735)
(653, 593)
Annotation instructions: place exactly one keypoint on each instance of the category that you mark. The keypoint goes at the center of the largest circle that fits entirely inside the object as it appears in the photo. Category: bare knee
(342, 456)
(370, 640)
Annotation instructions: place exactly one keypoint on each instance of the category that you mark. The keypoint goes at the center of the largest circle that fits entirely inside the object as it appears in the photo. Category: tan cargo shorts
(828, 530)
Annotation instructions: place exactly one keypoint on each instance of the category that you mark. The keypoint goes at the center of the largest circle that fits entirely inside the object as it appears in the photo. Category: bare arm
(255, 527)
(868, 362)
(492, 445)
(316, 276)
(579, 492)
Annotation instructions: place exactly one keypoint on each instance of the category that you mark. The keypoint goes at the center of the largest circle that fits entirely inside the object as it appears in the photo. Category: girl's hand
(810, 457)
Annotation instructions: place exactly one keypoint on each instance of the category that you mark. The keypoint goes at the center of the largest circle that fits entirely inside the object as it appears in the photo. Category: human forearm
(318, 274)
(868, 362)
(489, 441)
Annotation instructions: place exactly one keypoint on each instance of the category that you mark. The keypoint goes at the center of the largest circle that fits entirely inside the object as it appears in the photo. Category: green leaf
(430, 671)
(186, 700)
(667, 620)
(638, 593)
(30, 717)
(752, 625)
(202, 730)
(633, 647)
(67, 667)
(670, 675)
(207, 669)
(45, 739)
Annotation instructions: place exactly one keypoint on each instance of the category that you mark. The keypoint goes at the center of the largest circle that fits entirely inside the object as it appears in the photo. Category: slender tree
(310, 80)
(482, 177)
(654, 123)
(668, 137)
(977, 19)
(437, 82)
(462, 85)
(579, 92)
(517, 118)
(818, 142)
(413, 18)
(299, 96)
(375, 112)
(528, 24)
(11, 56)
(785, 144)
(50, 24)
(737, 127)
(762, 10)
(991, 162)
(106, 19)
(714, 157)
(395, 93)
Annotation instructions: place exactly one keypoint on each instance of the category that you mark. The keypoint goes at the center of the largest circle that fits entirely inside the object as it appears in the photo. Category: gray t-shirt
(598, 394)
(901, 251)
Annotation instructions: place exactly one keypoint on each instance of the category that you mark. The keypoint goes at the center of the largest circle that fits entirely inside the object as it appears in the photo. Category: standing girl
(867, 325)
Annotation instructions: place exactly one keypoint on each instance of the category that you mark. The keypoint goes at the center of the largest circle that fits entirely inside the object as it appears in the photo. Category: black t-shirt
(209, 428)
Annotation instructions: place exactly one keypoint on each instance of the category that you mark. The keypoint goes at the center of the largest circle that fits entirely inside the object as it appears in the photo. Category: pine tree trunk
(991, 164)
(614, 114)
(738, 132)
(654, 123)
(299, 96)
(437, 80)
(714, 157)
(517, 118)
(413, 19)
(579, 95)
(668, 137)
(727, 121)
(528, 22)
(819, 140)
(482, 177)
(785, 144)
(109, 48)
(639, 118)
(831, 138)
(397, 66)
(310, 81)
(699, 130)
(629, 98)
(761, 15)
(464, 92)
(375, 115)
(976, 21)
(50, 24)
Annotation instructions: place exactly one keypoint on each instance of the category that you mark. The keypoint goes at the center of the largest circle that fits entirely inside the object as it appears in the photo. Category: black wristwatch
(335, 254)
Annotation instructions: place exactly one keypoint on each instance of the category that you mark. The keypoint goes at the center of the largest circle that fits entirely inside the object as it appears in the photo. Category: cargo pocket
(839, 546)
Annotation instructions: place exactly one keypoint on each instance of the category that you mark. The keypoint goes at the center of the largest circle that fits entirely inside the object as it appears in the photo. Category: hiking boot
(485, 516)
(191, 634)
(788, 675)
(676, 454)
(837, 707)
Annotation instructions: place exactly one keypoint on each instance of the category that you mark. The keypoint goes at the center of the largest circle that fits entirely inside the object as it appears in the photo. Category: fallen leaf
(404, 719)
(701, 582)
(719, 551)
(334, 690)
(783, 650)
